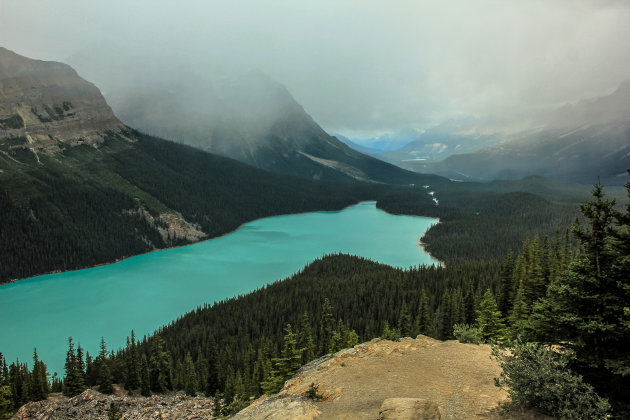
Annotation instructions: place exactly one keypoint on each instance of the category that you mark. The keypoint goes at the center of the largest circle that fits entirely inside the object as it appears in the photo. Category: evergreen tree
(389, 334)
(73, 382)
(39, 380)
(518, 316)
(190, 377)
(587, 307)
(505, 296)
(104, 377)
(217, 405)
(133, 365)
(353, 339)
(212, 378)
(6, 402)
(423, 317)
(285, 365)
(161, 375)
(114, 412)
(145, 381)
(489, 318)
(305, 339)
(404, 320)
(326, 327)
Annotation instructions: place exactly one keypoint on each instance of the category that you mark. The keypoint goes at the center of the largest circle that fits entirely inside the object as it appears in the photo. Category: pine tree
(489, 318)
(145, 381)
(6, 402)
(518, 316)
(190, 376)
(326, 327)
(104, 377)
(285, 365)
(505, 296)
(73, 382)
(161, 375)
(212, 378)
(39, 380)
(587, 307)
(423, 318)
(217, 405)
(404, 320)
(133, 365)
(305, 339)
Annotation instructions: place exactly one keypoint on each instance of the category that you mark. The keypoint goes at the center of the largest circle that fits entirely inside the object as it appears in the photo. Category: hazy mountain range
(248, 117)
(575, 143)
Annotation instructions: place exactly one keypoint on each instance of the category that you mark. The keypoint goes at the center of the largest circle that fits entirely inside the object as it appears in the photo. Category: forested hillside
(133, 193)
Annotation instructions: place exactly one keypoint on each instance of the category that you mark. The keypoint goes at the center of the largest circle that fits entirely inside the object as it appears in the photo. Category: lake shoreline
(423, 245)
(420, 243)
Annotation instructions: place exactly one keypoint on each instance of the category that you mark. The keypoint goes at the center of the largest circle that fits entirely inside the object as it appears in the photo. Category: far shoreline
(421, 244)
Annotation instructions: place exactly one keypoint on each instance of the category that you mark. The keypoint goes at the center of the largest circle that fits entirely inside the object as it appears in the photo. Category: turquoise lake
(147, 291)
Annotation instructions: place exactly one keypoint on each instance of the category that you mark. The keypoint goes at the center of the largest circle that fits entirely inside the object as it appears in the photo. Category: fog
(360, 68)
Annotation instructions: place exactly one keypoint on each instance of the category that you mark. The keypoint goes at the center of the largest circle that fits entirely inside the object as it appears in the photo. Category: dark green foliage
(104, 376)
(467, 333)
(285, 365)
(233, 342)
(73, 383)
(145, 381)
(133, 365)
(313, 392)
(305, 339)
(114, 412)
(539, 377)
(477, 223)
(489, 319)
(160, 367)
(326, 328)
(389, 333)
(191, 384)
(588, 305)
(6, 402)
(39, 386)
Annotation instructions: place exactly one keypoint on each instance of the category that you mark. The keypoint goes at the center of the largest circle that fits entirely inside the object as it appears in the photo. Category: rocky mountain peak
(45, 105)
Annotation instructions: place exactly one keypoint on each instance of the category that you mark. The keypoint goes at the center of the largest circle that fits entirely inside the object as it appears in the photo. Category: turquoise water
(150, 290)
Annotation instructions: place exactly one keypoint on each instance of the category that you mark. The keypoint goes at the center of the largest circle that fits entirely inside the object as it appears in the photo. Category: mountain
(48, 107)
(439, 142)
(79, 188)
(248, 117)
(578, 143)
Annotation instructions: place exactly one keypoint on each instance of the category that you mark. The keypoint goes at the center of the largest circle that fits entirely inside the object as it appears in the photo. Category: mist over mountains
(245, 116)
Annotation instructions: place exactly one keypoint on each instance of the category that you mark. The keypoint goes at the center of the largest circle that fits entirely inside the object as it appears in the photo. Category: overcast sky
(360, 66)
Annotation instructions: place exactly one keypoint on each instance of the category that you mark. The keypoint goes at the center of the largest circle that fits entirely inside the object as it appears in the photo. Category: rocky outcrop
(417, 378)
(92, 405)
(45, 105)
(171, 226)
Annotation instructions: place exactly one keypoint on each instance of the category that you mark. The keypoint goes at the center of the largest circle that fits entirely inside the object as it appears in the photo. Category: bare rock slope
(49, 105)
(411, 379)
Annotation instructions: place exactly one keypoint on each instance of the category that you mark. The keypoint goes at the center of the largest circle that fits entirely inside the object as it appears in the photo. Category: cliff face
(46, 105)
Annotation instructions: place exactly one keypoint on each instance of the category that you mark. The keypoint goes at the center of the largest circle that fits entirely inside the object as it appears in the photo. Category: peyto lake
(150, 290)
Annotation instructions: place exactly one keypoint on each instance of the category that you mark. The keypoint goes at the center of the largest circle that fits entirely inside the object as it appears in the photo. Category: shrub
(467, 333)
(313, 392)
(539, 377)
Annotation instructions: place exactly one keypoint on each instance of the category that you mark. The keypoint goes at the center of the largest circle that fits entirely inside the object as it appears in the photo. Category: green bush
(539, 377)
(467, 333)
